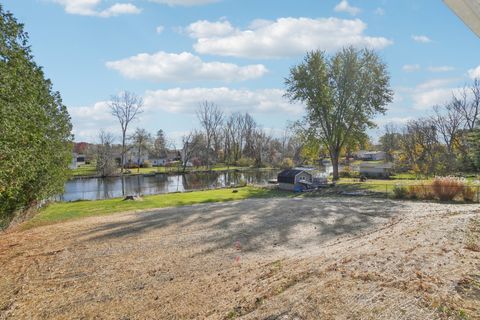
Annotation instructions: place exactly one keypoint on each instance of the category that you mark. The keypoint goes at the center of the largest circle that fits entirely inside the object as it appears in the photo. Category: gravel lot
(295, 258)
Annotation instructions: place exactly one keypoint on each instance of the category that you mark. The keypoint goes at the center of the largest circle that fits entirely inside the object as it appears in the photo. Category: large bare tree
(191, 144)
(125, 106)
(105, 162)
(211, 120)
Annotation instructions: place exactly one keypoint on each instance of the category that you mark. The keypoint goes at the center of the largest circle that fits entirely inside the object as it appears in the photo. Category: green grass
(84, 170)
(62, 211)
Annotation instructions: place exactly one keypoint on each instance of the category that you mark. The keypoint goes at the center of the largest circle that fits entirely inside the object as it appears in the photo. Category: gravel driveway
(263, 259)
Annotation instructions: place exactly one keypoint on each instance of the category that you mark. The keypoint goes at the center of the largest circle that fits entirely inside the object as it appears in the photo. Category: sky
(236, 54)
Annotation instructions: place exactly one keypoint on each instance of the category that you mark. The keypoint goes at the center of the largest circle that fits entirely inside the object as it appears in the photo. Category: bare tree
(106, 165)
(211, 119)
(468, 108)
(390, 140)
(259, 142)
(125, 106)
(233, 137)
(142, 142)
(191, 144)
(448, 123)
(420, 146)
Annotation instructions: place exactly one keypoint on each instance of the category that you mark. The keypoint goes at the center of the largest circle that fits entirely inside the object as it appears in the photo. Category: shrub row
(441, 188)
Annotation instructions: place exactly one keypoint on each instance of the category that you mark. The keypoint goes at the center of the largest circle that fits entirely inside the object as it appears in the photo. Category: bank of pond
(96, 188)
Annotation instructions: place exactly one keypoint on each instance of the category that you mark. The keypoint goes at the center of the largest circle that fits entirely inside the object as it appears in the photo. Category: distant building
(77, 160)
(373, 170)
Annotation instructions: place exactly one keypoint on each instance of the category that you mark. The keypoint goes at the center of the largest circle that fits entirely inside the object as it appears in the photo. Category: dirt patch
(329, 258)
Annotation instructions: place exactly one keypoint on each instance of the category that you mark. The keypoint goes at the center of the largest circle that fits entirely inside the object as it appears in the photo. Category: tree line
(444, 143)
(235, 139)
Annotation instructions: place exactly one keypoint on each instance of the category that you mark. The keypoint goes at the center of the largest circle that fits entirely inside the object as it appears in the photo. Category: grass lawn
(62, 211)
(84, 170)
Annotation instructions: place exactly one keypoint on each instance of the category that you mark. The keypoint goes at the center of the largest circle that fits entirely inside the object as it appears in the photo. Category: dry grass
(469, 194)
(447, 188)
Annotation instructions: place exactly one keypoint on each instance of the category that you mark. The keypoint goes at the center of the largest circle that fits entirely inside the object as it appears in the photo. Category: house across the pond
(372, 170)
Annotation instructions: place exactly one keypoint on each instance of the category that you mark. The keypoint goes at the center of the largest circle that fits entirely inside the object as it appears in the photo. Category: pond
(114, 187)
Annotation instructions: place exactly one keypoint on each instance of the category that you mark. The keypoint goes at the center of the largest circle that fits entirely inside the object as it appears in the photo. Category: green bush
(35, 128)
(400, 192)
(245, 162)
(146, 164)
(469, 194)
(287, 163)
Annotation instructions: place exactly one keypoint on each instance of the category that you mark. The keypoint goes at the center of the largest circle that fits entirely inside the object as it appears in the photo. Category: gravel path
(300, 258)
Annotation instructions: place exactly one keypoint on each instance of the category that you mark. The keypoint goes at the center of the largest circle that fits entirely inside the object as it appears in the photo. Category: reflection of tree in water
(158, 183)
(104, 188)
(194, 181)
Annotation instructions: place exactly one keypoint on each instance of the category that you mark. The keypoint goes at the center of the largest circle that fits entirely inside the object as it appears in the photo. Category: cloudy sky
(236, 53)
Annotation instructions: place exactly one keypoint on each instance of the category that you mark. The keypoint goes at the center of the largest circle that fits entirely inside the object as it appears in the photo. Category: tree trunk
(123, 153)
(334, 156)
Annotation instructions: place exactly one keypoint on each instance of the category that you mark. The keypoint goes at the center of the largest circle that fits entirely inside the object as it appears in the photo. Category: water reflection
(105, 188)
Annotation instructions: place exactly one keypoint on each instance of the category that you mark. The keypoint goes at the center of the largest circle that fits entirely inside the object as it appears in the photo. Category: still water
(105, 188)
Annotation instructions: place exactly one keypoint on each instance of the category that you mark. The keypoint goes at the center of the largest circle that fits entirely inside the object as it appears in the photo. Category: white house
(382, 170)
(77, 160)
(158, 161)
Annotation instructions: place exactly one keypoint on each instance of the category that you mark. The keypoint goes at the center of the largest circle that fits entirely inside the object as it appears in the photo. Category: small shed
(294, 179)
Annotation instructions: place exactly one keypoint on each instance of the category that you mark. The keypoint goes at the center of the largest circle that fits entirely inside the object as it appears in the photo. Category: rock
(132, 198)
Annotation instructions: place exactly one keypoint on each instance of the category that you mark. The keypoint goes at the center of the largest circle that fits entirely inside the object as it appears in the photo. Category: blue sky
(236, 53)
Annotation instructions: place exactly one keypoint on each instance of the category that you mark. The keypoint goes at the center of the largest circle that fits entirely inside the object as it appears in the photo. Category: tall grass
(448, 188)
(441, 188)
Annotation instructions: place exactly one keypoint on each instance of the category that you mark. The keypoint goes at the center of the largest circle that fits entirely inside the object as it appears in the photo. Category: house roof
(468, 11)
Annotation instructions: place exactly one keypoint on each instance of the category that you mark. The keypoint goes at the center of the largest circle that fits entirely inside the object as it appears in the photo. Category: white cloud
(436, 83)
(411, 67)
(282, 38)
(379, 12)
(90, 8)
(344, 6)
(173, 103)
(205, 29)
(441, 69)
(185, 3)
(184, 67)
(421, 39)
(186, 101)
(433, 92)
(88, 120)
(474, 73)
(159, 29)
(381, 122)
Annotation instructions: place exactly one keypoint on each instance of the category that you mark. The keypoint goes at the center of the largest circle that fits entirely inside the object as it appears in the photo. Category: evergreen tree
(35, 128)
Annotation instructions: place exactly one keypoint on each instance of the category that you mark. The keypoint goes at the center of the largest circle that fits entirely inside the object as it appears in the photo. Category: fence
(465, 193)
